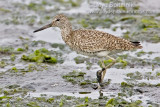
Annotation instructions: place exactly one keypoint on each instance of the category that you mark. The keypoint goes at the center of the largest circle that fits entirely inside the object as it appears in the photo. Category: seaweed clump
(40, 56)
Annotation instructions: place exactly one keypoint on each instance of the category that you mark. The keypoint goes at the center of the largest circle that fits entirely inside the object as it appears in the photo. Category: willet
(91, 42)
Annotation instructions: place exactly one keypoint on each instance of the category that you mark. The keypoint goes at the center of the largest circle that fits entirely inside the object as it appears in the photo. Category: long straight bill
(44, 27)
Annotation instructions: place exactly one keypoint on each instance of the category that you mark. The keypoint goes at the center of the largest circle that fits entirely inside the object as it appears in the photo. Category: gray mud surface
(67, 78)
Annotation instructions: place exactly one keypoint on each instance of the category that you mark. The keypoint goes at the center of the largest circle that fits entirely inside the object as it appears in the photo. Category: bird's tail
(137, 45)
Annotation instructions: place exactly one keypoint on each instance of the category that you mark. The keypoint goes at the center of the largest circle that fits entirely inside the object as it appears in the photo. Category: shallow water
(93, 94)
(49, 35)
(50, 81)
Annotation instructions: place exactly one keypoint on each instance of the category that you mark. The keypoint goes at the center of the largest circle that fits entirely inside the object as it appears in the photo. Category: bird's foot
(97, 86)
(99, 77)
(94, 86)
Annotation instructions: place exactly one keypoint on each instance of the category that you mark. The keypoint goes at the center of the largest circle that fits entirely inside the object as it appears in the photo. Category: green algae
(126, 36)
(61, 103)
(84, 92)
(50, 100)
(93, 23)
(106, 62)
(73, 3)
(5, 97)
(44, 2)
(13, 86)
(150, 23)
(122, 8)
(120, 63)
(128, 18)
(124, 84)
(23, 39)
(123, 63)
(77, 78)
(68, 101)
(148, 76)
(118, 101)
(156, 59)
(12, 57)
(2, 64)
(83, 23)
(36, 43)
(142, 84)
(153, 39)
(8, 105)
(106, 1)
(157, 74)
(88, 65)
(14, 69)
(75, 74)
(158, 85)
(20, 49)
(140, 53)
(32, 104)
(156, 38)
(57, 45)
(47, 17)
(6, 50)
(85, 82)
(35, 6)
(130, 75)
(4, 10)
(136, 7)
(110, 102)
(40, 56)
(137, 75)
(15, 90)
(31, 21)
(79, 59)
(105, 23)
(30, 67)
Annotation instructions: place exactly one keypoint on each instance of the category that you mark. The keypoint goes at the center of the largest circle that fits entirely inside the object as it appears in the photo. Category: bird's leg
(99, 73)
(108, 66)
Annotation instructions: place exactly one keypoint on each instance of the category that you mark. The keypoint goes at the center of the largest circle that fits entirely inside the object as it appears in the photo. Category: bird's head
(59, 20)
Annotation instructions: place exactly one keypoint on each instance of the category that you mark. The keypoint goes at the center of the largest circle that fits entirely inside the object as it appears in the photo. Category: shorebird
(91, 42)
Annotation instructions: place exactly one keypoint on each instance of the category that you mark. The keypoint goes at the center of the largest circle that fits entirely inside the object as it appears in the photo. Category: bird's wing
(94, 41)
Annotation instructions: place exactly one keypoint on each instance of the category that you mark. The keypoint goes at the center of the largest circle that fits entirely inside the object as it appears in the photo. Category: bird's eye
(58, 20)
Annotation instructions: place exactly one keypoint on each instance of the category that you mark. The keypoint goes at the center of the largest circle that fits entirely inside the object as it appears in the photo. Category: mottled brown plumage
(90, 42)
(87, 41)
(93, 41)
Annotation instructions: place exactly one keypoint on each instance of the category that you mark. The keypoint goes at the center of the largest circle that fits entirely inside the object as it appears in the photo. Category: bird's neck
(66, 32)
